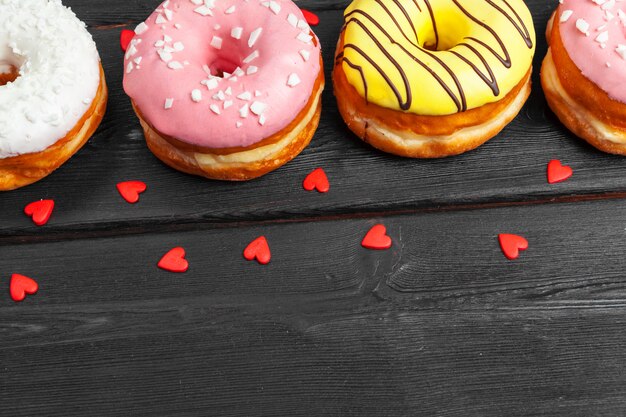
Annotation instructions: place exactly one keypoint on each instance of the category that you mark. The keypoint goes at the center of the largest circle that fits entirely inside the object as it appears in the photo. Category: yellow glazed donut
(428, 79)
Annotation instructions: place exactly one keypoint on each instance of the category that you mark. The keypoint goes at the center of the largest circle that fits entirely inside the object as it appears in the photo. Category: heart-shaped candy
(258, 249)
(40, 211)
(21, 285)
(377, 238)
(558, 172)
(311, 18)
(130, 190)
(511, 245)
(125, 37)
(174, 261)
(317, 180)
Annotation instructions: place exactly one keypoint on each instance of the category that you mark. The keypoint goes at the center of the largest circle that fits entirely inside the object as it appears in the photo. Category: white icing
(59, 74)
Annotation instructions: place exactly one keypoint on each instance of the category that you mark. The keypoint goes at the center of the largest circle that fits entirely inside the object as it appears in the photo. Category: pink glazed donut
(584, 72)
(225, 89)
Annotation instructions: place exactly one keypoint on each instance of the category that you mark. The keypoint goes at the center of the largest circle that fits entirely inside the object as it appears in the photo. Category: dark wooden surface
(442, 324)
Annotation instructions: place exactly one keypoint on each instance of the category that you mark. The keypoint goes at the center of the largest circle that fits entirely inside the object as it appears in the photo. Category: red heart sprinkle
(174, 261)
(377, 238)
(511, 245)
(311, 18)
(130, 190)
(316, 180)
(558, 172)
(258, 249)
(40, 211)
(125, 37)
(21, 285)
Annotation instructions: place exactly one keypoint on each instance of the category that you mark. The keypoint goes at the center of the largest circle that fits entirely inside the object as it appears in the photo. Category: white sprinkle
(175, 65)
(217, 26)
(168, 14)
(238, 72)
(582, 26)
(236, 32)
(622, 17)
(293, 80)
(238, 124)
(292, 19)
(251, 57)
(204, 11)
(603, 37)
(178, 25)
(274, 7)
(129, 68)
(131, 51)
(302, 24)
(219, 96)
(216, 42)
(138, 60)
(215, 109)
(167, 38)
(243, 112)
(160, 19)
(179, 46)
(229, 91)
(212, 84)
(262, 119)
(608, 5)
(169, 102)
(230, 10)
(197, 2)
(196, 96)
(305, 54)
(159, 43)
(252, 70)
(257, 93)
(245, 96)
(566, 15)
(254, 36)
(258, 108)
(621, 50)
(141, 28)
(227, 104)
(165, 56)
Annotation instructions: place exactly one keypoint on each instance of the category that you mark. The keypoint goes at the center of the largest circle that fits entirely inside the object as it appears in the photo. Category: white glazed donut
(58, 98)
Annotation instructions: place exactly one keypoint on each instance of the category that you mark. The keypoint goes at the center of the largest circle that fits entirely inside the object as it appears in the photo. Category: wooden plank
(98, 13)
(511, 168)
(441, 324)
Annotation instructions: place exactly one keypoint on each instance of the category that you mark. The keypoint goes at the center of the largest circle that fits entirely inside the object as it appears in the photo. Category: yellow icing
(454, 26)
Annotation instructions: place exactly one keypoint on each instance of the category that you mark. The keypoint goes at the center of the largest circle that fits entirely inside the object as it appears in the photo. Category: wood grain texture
(510, 168)
(441, 324)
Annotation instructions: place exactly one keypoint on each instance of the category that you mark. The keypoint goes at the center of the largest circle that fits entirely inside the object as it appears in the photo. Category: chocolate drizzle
(474, 57)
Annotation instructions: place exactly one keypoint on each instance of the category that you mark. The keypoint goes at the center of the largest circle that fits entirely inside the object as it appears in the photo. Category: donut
(584, 72)
(227, 90)
(430, 79)
(53, 93)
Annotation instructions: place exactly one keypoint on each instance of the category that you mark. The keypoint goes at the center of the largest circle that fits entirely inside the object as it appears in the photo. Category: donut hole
(8, 73)
(221, 66)
(452, 29)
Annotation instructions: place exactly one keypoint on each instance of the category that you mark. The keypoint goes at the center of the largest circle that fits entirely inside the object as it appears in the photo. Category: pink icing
(200, 37)
(600, 56)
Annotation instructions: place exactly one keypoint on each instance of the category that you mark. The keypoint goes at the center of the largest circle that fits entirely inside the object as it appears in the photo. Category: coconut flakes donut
(52, 89)
(428, 79)
(584, 72)
(225, 89)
